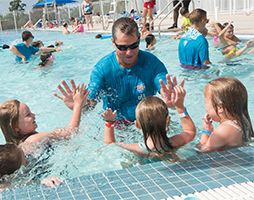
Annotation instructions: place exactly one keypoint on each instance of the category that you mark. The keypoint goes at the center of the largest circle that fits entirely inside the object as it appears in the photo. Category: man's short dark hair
(26, 35)
(125, 25)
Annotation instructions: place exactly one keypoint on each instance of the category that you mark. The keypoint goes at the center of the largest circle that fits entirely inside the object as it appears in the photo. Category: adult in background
(176, 11)
(124, 77)
(193, 46)
(87, 11)
(148, 9)
(24, 50)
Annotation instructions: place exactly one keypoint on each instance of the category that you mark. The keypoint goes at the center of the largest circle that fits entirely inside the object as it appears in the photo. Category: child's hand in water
(80, 94)
(178, 97)
(207, 122)
(108, 115)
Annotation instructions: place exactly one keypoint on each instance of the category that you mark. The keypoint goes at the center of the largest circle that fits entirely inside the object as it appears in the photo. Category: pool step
(243, 191)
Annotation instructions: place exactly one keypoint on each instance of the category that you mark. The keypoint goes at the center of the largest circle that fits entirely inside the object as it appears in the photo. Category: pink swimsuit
(216, 40)
(80, 28)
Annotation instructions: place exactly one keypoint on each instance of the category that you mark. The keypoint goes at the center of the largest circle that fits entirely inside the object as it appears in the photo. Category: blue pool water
(86, 153)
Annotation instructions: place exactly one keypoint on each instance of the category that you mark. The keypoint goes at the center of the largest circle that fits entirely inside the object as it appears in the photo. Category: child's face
(209, 107)
(26, 120)
(214, 31)
(229, 33)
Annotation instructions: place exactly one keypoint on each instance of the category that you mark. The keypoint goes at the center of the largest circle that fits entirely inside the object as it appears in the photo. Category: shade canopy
(51, 2)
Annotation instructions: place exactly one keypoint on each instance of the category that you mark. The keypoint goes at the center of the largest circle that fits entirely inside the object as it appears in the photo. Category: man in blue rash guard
(124, 77)
(24, 50)
(193, 46)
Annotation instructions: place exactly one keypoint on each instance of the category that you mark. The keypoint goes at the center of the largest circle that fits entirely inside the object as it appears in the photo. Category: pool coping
(158, 180)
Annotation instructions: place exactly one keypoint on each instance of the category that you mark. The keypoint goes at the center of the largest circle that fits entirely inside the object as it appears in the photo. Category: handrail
(114, 4)
(137, 10)
(159, 27)
(167, 13)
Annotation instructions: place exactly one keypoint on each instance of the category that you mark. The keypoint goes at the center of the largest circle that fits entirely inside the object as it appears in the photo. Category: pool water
(85, 153)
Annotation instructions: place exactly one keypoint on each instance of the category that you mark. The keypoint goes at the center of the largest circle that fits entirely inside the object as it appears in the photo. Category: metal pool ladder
(112, 14)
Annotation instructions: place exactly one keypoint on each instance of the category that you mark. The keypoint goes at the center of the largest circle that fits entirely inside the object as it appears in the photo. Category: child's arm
(222, 32)
(189, 129)
(251, 51)
(247, 46)
(79, 96)
(109, 136)
(109, 116)
(207, 130)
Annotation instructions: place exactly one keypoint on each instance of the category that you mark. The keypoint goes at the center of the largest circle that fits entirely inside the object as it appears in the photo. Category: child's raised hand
(168, 90)
(207, 122)
(249, 44)
(80, 94)
(177, 97)
(108, 115)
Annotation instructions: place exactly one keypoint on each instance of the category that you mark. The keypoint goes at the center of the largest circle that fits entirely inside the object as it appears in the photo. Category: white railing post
(15, 23)
(1, 26)
(234, 7)
(69, 13)
(79, 10)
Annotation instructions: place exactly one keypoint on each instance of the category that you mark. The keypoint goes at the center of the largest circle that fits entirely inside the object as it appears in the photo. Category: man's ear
(112, 40)
(137, 125)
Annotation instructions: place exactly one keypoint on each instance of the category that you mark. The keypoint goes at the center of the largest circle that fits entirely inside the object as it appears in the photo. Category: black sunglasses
(125, 47)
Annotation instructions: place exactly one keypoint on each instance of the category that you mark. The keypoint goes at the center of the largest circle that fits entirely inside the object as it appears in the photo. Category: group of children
(47, 58)
(223, 35)
(152, 118)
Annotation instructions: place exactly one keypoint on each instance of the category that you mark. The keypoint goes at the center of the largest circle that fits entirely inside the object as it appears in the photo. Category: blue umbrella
(51, 2)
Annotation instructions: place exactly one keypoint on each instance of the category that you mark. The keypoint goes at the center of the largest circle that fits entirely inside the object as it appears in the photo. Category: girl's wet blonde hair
(152, 116)
(9, 114)
(232, 95)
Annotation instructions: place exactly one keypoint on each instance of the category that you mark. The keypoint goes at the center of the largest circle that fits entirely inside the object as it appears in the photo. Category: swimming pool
(86, 153)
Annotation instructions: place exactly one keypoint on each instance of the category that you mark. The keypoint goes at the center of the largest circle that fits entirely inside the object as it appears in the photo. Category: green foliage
(17, 5)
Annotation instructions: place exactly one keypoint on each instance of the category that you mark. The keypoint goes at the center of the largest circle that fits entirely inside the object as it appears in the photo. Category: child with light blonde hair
(226, 101)
(152, 118)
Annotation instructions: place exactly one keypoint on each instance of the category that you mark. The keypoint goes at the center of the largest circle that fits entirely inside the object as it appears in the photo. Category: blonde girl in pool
(153, 119)
(226, 101)
(19, 126)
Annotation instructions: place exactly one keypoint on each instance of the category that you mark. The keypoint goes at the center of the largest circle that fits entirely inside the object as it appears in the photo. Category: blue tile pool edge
(153, 181)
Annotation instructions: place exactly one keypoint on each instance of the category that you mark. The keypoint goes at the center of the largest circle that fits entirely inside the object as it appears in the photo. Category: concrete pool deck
(242, 24)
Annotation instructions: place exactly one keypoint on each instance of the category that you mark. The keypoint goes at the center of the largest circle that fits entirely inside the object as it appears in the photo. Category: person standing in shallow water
(124, 77)
(193, 46)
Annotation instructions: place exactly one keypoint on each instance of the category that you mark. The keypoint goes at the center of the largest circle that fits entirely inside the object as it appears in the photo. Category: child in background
(79, 28)
(145, 30)
(231, 50)
(215, 30)
(152, 118)
(228, 34)
(19, 127)
(47, 59)
(150, 41)
(185, 23)
(65, 30)
(58, 43)
(226, 101)
(11, 159)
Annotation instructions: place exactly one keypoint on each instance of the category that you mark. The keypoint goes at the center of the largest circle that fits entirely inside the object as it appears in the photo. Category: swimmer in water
(47, 59)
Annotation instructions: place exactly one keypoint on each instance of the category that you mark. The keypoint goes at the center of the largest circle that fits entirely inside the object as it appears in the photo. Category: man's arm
(16, 52)
(49, 49)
